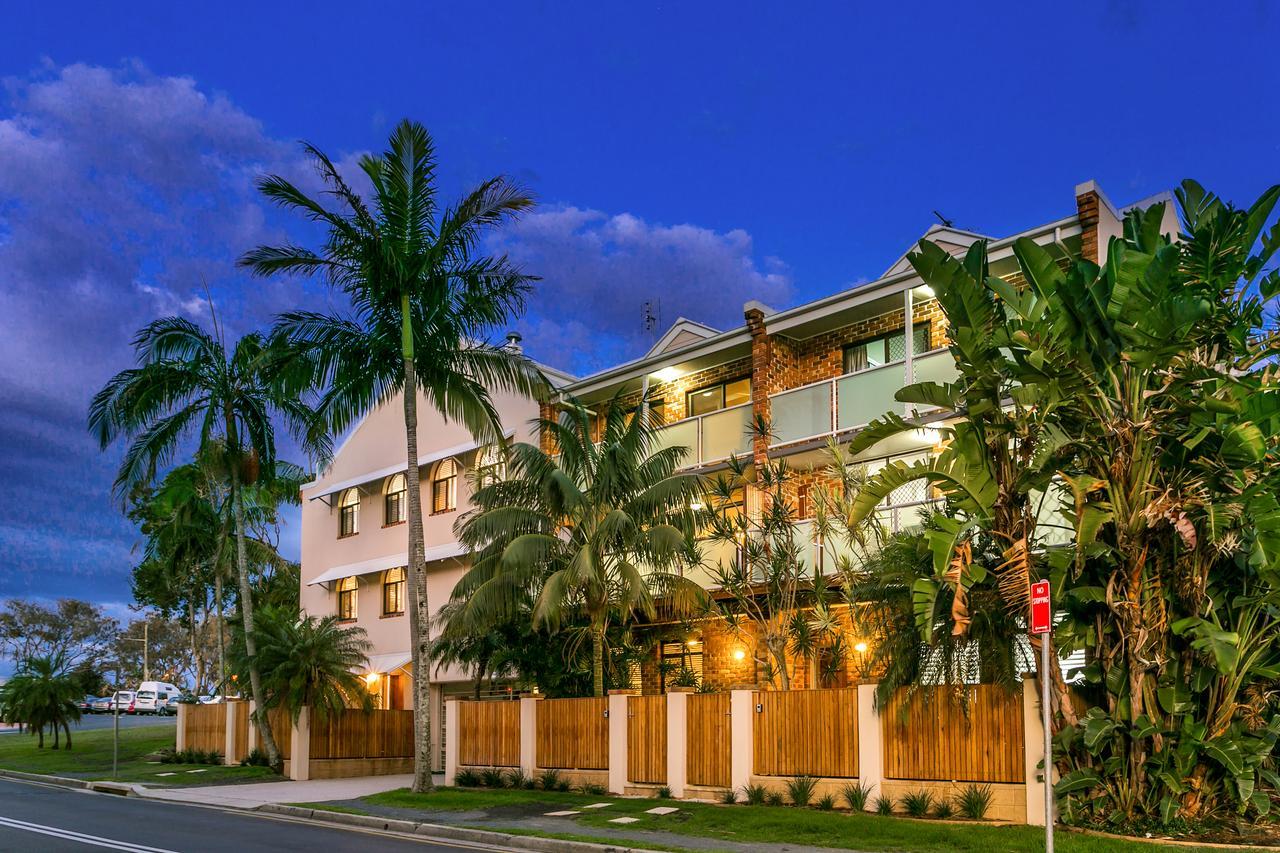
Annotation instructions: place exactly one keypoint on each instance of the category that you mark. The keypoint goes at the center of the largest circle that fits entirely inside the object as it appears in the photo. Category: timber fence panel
(806, 732)
(708, 746)
(282, 730)
(488, 734)
(647, 739)
(354, 733)
(206, 727)
(241, 712)
(935, 738)
(573, 734)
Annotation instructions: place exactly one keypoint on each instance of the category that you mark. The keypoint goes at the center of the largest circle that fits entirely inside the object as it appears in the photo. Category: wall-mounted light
(666, 374)
(371, 679)
(926, 291)
(860, 647)
(739, 654)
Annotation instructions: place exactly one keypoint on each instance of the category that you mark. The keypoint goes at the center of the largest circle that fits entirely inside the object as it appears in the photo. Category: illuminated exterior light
(371, 679)
(860, 647)
(739, 654)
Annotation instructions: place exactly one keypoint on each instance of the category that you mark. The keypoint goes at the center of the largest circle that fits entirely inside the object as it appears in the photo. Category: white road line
(79, 837)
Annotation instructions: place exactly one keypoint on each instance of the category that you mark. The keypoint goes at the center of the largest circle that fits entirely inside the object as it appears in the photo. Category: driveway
(314, 791)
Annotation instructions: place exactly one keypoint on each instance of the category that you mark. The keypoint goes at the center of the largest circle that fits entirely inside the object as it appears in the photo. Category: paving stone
(625, 820)
(598, 806)
(662, 810)
(561, 814)
(166, 774)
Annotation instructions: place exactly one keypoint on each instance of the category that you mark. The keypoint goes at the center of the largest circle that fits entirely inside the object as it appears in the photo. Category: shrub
(800, 789)
(857, 795)
(755, 795)
(774, 798)
(467, 778)
(663, 793)
(563, 786)
(595, 789)
(517, 778)
(883, 805)
(974, 800)
(943, 809)
(549, 780)
(917, 803)
(492, 777)
(729, 797)
(255, 758)
(826, 803)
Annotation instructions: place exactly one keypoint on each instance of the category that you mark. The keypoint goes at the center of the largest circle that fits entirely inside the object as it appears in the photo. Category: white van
(123, 701)
(156, 697)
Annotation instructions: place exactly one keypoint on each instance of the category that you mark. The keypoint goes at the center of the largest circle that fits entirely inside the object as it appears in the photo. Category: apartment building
(815, 372)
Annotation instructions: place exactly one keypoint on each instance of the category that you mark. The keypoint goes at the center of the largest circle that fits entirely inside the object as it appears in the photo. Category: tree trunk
(597, 660)
(40, 738)
(246, 615)
(420, 610)
(481, 669)
(218, 619)
(195, 648)
(67, 728)
(57, 735)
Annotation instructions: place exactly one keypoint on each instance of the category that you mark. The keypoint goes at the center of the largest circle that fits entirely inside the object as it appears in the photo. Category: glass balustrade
(937, 367)
(802, 413)
(726, 433)
(681, 434)
(864, 396)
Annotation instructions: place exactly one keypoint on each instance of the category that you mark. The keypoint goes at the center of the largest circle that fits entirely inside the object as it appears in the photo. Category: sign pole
(1042, 625)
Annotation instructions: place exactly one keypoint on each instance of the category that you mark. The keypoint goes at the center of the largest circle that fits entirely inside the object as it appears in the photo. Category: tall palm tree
(187, 383)
(424, 301)
(593, 530)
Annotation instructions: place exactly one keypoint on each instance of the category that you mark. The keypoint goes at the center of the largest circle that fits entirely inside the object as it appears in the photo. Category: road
(45, 818)
(93, 722)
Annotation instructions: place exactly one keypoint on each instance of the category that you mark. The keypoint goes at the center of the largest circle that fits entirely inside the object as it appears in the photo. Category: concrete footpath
(254, 795)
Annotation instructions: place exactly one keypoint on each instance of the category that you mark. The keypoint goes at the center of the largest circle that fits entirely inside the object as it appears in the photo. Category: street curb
(448, 833)
(123, 789)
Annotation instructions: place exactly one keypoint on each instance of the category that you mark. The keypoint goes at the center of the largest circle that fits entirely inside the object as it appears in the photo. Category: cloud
(598, 270)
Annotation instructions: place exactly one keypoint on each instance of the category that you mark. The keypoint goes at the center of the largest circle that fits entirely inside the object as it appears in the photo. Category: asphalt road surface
(45, 818)
(93, 722)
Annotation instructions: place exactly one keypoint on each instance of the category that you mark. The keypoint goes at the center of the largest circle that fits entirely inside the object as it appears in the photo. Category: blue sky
(698, 154)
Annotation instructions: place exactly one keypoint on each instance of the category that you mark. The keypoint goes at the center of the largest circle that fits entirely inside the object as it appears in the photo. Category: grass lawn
(763, 824)
(90, 758)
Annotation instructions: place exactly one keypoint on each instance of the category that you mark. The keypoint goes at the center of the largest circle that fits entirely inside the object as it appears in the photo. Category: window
(444, 488)
(885, 350)
(349, 513)
(393, 585)
(717, 397)
(681, 664)
(804, 503)
(347, 599)
(393, 506)
(490, 466)
(657, 412)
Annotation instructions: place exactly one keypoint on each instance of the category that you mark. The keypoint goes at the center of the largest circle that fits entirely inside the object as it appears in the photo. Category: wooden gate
(207, 727)
(489, 734)
(709, 742)
(573, 734)
(807, 732)
(647, 739)
(936, 740)
(353, 733)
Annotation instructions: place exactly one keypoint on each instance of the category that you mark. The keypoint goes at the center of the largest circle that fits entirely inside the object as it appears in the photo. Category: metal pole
(115, 736)
(1048, 742)
(146, 649)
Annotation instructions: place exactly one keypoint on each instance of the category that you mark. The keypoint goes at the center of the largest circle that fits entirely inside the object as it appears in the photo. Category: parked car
(86, 704)
(124, 701)
(159, 700)
(101, 705)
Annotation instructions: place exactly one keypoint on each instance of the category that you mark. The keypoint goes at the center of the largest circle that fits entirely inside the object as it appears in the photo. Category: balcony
(710, 438)
(851, 401)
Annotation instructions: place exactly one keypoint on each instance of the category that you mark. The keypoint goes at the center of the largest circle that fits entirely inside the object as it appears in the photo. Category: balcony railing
(851, 401)
(710, 438)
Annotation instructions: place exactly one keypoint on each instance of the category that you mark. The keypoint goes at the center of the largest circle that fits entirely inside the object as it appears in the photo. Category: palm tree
(308, 662)
(424, 302)
(593, 530)
(41, 695)
(187, 381)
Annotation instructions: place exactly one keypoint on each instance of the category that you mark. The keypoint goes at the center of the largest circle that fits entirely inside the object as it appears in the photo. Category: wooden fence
(709, 740)
(206, 727)
(281, 729)
(936, 740)
(488, 734)
(806, 732)
(354, 733)
(647, 739)
(572, 734)
(240, 714)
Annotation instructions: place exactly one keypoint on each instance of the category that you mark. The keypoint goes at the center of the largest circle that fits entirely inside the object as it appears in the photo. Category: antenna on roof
(652, 313)
(943, 219)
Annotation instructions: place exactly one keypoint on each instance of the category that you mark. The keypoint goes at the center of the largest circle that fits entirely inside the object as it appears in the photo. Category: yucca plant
(492, 777)
(825, 803)
(518, 779)
(755, 794)
(728, 797)
(800, 789)
(943, 809)
(856, 795)
(917, 803)
(974, 800)
(549, 780)
(883, 805)
(774, 798)
(467, 778)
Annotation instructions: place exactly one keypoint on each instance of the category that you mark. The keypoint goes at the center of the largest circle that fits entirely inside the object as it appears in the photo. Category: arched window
(393, 503)
(444, 487)
(490, 466)
(349, 513)
(347, 599)
(393, 583)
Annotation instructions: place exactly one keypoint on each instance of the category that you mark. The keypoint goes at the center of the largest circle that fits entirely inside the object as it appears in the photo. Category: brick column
(1033, 750)
(618, 769)
(300, 748)
(742, 711)
(1087, 210)
(761, 380)
(677, 739)
(450, 740)
(870, 744)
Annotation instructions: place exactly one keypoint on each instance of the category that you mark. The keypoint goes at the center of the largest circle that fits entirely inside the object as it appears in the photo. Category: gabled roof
(943, 235)
(682, 333)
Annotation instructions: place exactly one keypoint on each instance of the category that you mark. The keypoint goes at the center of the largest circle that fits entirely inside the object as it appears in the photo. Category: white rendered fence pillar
(742, 711)
(183, 710)
(677, 739)
(618, 769)
(529, 734)
(1033, 750)
(450, 741)
(251, 741)
(870, 743)
(300, 747)
(229, 756)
